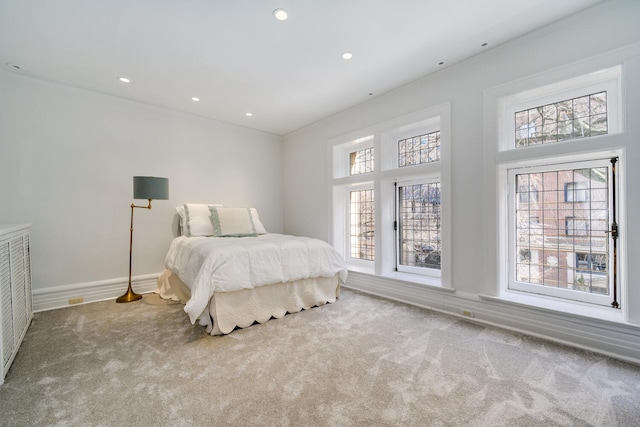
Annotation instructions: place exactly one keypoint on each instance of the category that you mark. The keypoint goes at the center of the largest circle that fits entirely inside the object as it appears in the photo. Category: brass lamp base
(130, 296)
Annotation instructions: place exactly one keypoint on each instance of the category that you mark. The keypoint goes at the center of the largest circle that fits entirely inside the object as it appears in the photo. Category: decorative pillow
(196, 220)
(232, 222)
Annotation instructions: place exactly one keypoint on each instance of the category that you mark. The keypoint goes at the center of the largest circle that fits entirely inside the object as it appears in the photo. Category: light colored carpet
(362, 361)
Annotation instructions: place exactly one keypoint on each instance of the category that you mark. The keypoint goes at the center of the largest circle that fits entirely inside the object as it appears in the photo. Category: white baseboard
(82, 293)
(618, 340)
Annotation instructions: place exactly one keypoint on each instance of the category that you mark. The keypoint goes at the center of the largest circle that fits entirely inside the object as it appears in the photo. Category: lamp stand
(131, 296)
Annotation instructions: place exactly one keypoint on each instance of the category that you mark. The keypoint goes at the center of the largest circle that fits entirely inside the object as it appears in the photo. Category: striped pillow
(196, 219)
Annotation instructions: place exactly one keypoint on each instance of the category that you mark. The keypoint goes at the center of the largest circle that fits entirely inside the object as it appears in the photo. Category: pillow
(256, 222)
(183, 219)
(232, 222)
(196, 219)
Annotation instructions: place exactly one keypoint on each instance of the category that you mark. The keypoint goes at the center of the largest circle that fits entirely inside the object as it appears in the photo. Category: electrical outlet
(77, 300)
(468, 313)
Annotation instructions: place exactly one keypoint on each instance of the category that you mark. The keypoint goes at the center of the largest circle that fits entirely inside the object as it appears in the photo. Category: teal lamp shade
(150, 187)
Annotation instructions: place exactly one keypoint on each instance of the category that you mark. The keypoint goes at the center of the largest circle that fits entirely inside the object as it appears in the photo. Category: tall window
(559, 188)
(419, 234)
(362, 225)
(557, 250)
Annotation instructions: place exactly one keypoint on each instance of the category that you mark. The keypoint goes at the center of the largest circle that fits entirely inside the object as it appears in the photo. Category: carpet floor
(362, 361)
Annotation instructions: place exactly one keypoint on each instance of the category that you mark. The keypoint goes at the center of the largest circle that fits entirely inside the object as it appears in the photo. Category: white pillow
(196, 219)
(256, 222)
(183, 218)
(232, 222)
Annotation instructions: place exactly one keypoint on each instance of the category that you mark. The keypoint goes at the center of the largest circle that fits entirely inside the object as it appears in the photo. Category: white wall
(598, 30)
(67, 161)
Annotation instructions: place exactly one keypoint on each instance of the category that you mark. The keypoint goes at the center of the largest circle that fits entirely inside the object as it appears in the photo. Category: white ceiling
(237, 58)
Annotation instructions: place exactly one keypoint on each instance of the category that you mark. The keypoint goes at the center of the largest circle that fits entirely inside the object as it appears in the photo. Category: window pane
(362, 225)
(568, 249)
(419, 225)
(522, 128)
(598, 103)
(581, 107)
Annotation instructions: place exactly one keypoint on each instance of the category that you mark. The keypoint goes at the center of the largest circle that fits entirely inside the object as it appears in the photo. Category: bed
(230, 272)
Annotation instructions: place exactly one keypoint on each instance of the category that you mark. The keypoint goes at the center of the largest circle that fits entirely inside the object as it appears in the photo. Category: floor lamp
(144, 187)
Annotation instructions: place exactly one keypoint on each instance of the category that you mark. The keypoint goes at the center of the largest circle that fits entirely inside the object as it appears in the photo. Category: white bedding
(226, 264)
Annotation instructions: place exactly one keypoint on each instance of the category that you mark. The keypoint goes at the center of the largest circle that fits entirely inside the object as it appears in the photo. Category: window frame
(341, 165)
(421, 271)
(606, 70)
(545, 165)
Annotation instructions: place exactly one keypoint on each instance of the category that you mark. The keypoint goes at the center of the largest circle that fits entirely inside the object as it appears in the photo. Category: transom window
(572, 118)
(361, 161)
(419, 149)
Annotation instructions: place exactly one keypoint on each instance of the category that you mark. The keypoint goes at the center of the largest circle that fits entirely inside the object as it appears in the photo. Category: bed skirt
(244, 307)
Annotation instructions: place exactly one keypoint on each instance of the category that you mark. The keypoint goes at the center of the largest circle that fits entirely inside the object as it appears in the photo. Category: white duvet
(226, 264)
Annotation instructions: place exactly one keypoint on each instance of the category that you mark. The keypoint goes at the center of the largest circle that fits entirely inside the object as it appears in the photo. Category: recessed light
(441, 63)
(124, 80)
(280, 14)
(248, 114)
(484, 44)
(347, 55)
(14, 66)
(195, 98)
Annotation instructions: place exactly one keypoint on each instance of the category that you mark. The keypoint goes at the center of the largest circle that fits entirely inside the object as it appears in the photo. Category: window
(361, 161)
(362, 225)
(559, 189)
(572, 118)
(419, 149)
(576, 226)
(419, 233)
(576, 191)
(552, 247)
(564, 111)
(389, 210)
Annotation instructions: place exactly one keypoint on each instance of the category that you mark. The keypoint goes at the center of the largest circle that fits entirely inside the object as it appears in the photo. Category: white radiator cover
(16, 309)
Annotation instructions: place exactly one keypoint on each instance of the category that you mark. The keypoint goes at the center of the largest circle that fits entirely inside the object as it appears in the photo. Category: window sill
(414, 278)
(555, 305)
